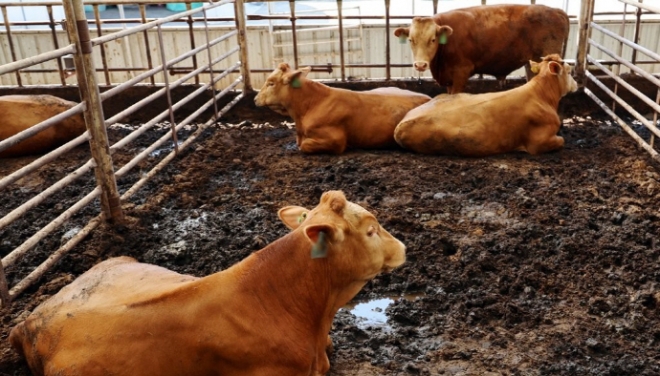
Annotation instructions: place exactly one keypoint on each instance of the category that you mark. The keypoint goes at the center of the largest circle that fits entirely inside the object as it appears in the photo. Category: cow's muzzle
(421, 66)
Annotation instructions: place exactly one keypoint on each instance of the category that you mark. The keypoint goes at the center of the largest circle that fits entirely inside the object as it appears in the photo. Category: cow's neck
(302, 99)
(547, 88)
(285, 280)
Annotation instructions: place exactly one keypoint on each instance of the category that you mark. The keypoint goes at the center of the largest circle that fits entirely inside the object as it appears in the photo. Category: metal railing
(81, 47)
(585, 59)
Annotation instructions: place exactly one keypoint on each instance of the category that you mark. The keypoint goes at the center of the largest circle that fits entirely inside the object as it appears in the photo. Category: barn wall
(365, 44)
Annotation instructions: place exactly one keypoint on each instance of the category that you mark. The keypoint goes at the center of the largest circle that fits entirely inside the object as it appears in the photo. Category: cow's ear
(444, 29)
(402, 31)
(292, 216)
(555, 67)
(321, 236)
(534, 66)
(296, 74)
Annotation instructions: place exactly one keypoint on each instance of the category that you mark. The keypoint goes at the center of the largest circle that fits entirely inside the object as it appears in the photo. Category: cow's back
(498, 39)
(20, 112)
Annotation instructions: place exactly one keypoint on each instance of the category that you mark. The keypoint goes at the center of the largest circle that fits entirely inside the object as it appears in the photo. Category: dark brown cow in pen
(270, 314)
(20, 112)
(488, 39)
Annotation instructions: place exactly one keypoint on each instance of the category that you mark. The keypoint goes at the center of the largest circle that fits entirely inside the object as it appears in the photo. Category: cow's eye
(302, 217)
(271, 84)
(371, 231)
(410, 40)
(433, 40)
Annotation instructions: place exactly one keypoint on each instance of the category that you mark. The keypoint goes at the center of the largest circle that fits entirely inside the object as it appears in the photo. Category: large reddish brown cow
(488, 39)
(20, 112)
(329, 119)
(523, 119)
(270, 314)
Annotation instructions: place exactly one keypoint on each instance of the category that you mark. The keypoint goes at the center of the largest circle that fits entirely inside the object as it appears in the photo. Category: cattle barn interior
(516, 264)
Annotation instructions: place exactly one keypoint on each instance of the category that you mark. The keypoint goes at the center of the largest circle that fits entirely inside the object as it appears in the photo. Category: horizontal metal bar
(302, 30)
(5, 181)
(14, 255)
(644, 50)
(641, 5)
(54, 258)
(36, 200)
(628, 64)
(172, 155)
(126, 140)
(34, 60)
(104, 2)
(316, 43)
(625, 105)
(23, 135)
(622, 123)
(134, 30)
(622, 82)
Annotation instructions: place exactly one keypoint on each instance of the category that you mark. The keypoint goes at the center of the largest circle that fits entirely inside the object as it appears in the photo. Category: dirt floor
(517, 264)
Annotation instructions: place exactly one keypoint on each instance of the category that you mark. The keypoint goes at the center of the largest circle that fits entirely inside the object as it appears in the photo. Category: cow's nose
(421, 65)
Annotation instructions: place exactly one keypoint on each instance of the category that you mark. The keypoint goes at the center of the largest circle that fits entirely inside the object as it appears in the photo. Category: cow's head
(554, 65)
(346, 235)
(424, 36)
(276, 90)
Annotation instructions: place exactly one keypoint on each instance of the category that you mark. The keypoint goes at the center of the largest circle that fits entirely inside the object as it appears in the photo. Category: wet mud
(516, 264)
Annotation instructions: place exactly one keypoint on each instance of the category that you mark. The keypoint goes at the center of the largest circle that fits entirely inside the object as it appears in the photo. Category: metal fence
(81, 47)
(648, 117)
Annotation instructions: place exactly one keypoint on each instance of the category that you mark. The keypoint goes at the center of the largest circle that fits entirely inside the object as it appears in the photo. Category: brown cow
(20, 112)
(488, 39)
(270, 314)
(330, 119)
(524, 118)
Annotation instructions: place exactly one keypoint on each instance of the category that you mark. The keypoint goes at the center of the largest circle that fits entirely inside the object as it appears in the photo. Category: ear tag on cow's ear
(403, 39)
(442, 39)
(302, 217)
(296, 83)
(320, 248)
(534, 69)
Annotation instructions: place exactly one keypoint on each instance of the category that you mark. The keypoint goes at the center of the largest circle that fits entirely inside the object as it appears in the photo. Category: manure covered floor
(516, 264)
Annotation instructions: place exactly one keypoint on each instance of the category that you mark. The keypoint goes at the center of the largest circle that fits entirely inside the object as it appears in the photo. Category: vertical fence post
(4, 287)
(586, 13)
(435, 7)
(168, 93)
(341, 39)
(56, 44)
(10, 39)
(294, 34)
(239, 11)
(388, 68)
(147, 49)
(89, 92)
(638, 22)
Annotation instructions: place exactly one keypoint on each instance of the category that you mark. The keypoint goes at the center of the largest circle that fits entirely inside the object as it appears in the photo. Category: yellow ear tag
(320, 248)
(295, 83)
(534, 69)
(403, 39)
(302, 217)
(442, 39)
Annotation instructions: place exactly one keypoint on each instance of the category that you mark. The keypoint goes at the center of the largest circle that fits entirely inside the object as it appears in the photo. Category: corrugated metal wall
(364, 44)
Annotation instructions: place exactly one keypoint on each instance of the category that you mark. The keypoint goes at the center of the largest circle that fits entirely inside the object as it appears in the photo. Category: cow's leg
(501, 80)
(549, 144)
(328, 140)
(459, 79)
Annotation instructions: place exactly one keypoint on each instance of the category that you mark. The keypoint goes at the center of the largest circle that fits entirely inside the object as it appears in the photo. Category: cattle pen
(177, 163)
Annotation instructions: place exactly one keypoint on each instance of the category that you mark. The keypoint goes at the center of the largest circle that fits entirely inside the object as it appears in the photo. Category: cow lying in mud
(489, 39)
(270, 314)
(329, 119)
(20, 112)
(523, 119)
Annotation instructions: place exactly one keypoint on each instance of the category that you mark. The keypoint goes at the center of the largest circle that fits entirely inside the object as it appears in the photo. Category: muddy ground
(517, 264)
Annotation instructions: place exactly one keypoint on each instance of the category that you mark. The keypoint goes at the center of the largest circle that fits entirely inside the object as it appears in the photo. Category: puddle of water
(156, 153)
(371, 313)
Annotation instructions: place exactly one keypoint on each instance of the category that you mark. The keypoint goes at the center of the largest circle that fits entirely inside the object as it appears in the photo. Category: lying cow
(524, 118)
(20, 112)
(489, 39)
(270, 314)
(329, 119)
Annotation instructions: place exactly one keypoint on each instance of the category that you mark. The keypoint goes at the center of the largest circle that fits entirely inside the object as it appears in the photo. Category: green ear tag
(320, 249)
(295, 83)
(403, 39)
(442, 39)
